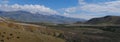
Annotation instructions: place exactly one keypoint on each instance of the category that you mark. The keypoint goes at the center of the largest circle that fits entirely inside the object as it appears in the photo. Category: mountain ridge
(29, 17)
(105, 20)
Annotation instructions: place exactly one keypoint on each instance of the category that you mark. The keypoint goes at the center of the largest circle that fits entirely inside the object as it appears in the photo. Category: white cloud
(94, 9)
(110, 7)
(70, 10)
(30, 8)
(85, 16)
(81, 2)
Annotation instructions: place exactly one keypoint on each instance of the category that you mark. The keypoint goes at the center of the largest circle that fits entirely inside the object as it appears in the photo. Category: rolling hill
(105, 20)
(20, 32)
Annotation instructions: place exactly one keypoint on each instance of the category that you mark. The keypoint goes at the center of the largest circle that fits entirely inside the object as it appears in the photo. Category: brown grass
(12, 32)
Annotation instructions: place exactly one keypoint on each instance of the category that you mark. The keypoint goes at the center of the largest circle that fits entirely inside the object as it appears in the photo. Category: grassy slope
(37, 33)
(17, 32)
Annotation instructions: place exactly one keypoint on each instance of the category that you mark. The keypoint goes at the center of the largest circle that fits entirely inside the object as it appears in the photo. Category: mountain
(29, 17)
(105, 20)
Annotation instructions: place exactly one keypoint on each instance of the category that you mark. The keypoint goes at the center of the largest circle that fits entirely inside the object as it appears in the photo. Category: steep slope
(105, 20)
(29, 17)
(20, 32)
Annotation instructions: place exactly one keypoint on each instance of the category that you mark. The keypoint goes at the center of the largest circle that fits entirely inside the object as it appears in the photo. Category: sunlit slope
(20, 32)
(13, 35)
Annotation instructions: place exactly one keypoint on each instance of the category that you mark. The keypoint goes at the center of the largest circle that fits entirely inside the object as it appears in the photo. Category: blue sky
(86, 9)
(54, 4)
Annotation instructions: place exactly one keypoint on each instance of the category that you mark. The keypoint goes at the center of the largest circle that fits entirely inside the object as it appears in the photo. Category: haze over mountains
(30, 17)
(41, 18)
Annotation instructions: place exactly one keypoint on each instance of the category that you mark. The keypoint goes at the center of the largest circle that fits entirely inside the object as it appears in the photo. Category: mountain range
(30, 17)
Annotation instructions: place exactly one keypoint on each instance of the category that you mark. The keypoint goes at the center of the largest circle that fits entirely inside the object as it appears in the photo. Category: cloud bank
(110, 7)
(41, 9)
(92, 10)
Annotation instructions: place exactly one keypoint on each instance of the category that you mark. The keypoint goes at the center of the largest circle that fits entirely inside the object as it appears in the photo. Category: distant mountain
(29, 17)
(105, 20)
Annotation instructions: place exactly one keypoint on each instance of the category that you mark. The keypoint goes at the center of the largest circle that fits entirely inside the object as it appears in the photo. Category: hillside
(11, 31)
(87, 33)
(21, 32)
(105, 20)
